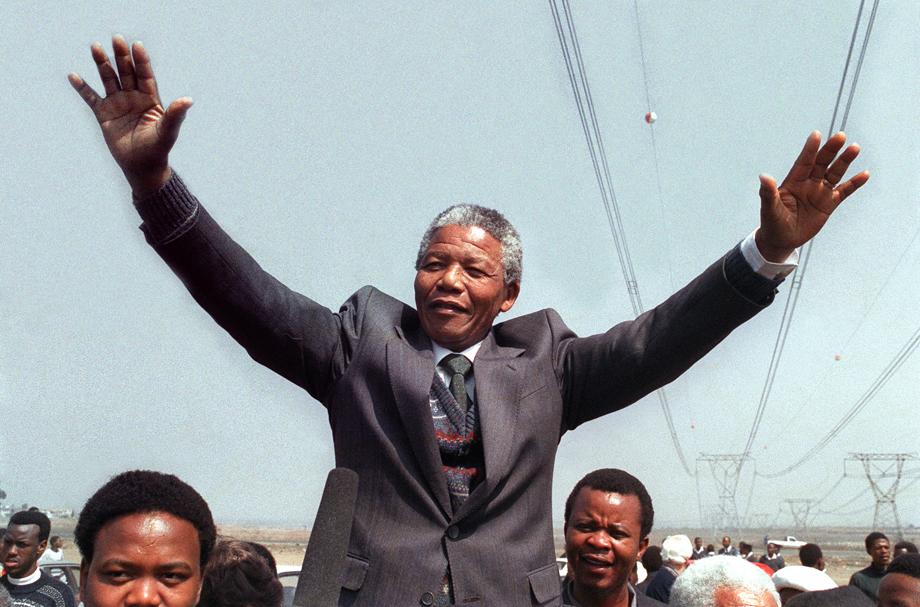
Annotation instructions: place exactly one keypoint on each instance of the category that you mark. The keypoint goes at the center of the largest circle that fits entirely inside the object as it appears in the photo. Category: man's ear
(42, 546)
(643, 546)
(84, 573)
(511, 294)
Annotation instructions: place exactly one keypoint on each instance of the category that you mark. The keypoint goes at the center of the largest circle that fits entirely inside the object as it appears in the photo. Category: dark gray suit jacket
(371, 365)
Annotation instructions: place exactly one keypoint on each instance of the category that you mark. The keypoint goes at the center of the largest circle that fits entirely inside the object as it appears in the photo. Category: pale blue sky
(324, 137)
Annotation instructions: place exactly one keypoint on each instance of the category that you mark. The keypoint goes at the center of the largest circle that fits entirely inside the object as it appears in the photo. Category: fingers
(853, 184)
(86, 91)
(124, 63)
(175, 115)
(826, 155)
(805, 163)
(146, 83)
(107, 73)
(838, 169)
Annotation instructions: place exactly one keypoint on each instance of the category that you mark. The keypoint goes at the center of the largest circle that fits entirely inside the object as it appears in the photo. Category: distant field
(843, 547)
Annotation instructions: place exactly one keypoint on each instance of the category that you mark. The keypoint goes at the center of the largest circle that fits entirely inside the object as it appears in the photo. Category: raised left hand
(793, 213)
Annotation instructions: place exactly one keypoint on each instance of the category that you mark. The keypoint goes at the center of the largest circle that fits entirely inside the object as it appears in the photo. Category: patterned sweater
(46, 592)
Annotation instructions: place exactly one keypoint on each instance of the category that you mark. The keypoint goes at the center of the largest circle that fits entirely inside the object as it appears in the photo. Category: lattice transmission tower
(884, 470)
(726, 470)
(800, 509)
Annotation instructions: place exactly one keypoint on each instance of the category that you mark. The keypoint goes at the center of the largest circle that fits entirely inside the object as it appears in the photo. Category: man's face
(742, 597)
(726, 542)
(146, 559)
(57, 544)
(21, 550)
(698, 542)
(460, 286)
(880, 553)
(771, 549)
(898, 590)
(603, 540)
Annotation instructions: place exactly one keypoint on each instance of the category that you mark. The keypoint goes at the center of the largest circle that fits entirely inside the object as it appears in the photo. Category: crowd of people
(148, 539)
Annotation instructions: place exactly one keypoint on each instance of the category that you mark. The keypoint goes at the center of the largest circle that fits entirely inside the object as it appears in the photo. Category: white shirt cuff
(765, 268)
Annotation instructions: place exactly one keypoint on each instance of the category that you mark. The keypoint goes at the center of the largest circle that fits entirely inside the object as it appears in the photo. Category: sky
(325, 136)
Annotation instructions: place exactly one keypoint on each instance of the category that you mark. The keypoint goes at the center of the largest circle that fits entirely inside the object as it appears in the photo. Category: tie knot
(457, 363)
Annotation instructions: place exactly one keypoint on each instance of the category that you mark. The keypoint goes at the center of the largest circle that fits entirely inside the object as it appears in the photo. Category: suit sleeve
(287, 332)
(606, 372)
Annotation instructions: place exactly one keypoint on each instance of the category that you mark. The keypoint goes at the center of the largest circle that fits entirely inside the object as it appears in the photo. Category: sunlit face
(603, 541)
(146, 559)
(726, 542)
(21, 550)
(771, 549)
(898, 590)
(880, 553)
(460, 286)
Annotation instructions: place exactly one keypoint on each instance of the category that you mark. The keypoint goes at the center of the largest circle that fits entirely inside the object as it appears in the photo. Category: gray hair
(490, 220)
(676, 549)
(697, 586)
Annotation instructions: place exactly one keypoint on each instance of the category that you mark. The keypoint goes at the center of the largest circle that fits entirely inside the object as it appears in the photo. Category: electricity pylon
(880, 468)
(726, 469)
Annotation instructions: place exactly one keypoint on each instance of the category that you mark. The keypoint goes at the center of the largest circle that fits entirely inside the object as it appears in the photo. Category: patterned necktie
(458, 365)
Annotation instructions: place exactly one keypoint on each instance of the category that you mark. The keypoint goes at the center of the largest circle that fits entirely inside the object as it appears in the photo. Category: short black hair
(144, 491)
(239, 575)
(906, 546)
(33, 517)
(908, 564)
(810, 554)
(611, 480)
(651, 559)
(874, 537)
(53, 539)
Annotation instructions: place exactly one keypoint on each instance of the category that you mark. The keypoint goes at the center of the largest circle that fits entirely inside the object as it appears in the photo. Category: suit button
(453, 532)
(427, 599)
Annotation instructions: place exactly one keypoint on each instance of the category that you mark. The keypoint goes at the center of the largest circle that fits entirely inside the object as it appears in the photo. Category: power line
(864, 400)
(571, 52)
(799, 276)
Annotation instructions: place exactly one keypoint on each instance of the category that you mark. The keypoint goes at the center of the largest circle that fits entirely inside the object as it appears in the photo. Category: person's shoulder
(643, 600)
(529, 329)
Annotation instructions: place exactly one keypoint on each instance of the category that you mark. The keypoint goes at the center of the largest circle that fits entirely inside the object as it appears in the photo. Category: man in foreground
(25, 541)
(451, 423)
(868, 579)
(608, 517)
(145, 538)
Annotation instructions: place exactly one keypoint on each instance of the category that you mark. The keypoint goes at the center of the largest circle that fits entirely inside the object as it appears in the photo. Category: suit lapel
(411, 369)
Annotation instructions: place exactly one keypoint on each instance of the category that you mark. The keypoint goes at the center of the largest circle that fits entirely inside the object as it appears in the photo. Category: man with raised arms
(451, 421)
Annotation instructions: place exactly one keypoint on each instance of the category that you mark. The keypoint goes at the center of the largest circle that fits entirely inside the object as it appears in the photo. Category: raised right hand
(138, 131)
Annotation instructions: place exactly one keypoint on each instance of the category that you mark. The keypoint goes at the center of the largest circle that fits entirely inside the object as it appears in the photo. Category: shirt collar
(29, 579)
(570, 587)
(440, 352)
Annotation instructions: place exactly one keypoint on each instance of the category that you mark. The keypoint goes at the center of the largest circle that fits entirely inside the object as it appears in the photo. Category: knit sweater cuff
(167, 213)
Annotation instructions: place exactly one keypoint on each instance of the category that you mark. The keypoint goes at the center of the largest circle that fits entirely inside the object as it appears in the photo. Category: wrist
(149, 182)
(769, 252)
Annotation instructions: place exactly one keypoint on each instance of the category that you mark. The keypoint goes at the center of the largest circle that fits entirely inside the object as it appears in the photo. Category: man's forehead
(23, 532)
(608, 501)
